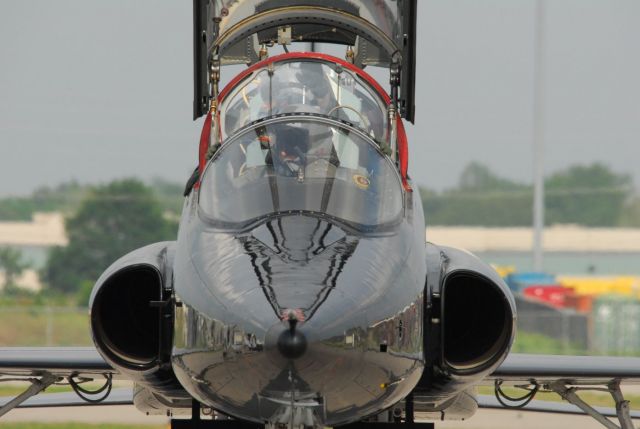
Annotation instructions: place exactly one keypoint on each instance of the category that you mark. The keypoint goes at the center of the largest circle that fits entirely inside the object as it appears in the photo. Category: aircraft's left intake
(468, 332)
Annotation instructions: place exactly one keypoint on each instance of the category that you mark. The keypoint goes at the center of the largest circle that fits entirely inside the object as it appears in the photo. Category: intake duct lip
(478, 322)
(125, 328)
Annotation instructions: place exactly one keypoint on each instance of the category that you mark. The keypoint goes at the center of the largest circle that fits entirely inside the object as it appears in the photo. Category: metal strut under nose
(37, 386)
(196, 423)
(622, 405)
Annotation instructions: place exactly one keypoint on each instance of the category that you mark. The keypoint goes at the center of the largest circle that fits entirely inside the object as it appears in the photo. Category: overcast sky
(94, 90)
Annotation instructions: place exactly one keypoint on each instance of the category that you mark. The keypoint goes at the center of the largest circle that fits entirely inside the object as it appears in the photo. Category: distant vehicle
(300, 291)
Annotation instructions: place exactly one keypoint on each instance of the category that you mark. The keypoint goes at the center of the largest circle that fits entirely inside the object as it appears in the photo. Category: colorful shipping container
(612, 304)
(519, 281)
(554, 295)
(622, 285)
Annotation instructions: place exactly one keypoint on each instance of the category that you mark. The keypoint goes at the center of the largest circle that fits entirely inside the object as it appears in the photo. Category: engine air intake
(125, 325)
(478, 322)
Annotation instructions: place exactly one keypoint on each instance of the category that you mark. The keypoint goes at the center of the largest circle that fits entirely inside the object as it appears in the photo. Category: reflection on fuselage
(297, 240)
(359, 304)
(298, 268)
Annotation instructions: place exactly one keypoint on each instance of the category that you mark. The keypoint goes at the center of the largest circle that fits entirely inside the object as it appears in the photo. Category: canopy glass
(304, 86)
(301, 165)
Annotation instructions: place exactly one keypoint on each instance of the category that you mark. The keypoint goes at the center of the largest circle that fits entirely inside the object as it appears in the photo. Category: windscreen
(301, 165)
(304, 87)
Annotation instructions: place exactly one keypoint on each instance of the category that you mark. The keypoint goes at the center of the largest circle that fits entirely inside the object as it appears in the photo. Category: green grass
(527, 342)
(76, 426)
(15, 388)
(24, 326)
(28, 326)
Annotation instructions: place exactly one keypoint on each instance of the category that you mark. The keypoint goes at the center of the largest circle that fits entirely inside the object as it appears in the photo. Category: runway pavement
(124, 414)
(484, 419)
(507, 419)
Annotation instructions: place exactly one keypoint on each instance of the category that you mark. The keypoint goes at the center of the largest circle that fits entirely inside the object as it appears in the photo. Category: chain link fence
(613, 328)
(549, 330)
(44, 326)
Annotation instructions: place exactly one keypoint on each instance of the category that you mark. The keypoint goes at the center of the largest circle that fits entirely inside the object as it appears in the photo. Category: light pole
(538, 135)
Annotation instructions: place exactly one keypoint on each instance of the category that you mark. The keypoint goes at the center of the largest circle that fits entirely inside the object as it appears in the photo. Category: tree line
(107, 221)
(67, 198)
(589, 195)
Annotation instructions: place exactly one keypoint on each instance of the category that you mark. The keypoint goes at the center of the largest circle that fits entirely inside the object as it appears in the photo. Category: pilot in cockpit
(315, 81)
(301, 88)
(288, 153)
(302, 150)
(310, 87)
(296, 87)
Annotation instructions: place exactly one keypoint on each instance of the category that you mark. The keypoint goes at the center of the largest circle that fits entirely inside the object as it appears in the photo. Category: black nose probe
(292, 343)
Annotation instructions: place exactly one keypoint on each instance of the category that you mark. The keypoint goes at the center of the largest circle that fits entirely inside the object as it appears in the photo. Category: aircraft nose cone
(286, 338)
(292, 344)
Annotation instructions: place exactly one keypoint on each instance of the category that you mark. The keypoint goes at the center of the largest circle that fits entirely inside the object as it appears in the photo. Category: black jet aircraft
(300, 291)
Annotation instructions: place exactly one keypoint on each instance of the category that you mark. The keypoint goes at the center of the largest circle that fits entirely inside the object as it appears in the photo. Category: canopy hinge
(392, 111)
(214, 76)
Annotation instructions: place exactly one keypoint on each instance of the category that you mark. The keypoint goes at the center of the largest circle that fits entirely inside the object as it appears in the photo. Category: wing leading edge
(576, 370)
(58, 361)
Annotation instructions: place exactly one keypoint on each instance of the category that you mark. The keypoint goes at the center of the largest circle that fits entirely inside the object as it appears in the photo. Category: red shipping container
(554, 295)
(582, 303)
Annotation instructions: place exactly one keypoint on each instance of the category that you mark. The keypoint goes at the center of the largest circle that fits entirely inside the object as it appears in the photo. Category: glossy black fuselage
(357, 298)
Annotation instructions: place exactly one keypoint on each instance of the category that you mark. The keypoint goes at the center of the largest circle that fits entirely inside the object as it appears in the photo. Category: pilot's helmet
(289, 151)
(299, 84)
(282, 88)
(315, 77)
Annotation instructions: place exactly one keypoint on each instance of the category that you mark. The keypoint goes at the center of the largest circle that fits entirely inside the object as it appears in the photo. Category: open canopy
(381, 33)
